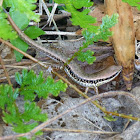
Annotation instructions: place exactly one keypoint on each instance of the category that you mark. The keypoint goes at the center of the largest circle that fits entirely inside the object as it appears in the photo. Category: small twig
(17, 67)
(126, 125)
(60, 33)
(40, 7)
(52, 14)
(78, 131)
(3, 79)
(5, 71)
(57, 17)
(96, 126)
(48, 13)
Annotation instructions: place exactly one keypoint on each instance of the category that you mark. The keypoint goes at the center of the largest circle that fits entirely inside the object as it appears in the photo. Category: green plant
(30, 87)
(90, 32)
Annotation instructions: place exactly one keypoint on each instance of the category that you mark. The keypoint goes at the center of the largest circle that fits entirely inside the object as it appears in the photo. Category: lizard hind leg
(86, 90)
(95, 89)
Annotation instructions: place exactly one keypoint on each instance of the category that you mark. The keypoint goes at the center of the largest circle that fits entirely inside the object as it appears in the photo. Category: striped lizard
(72, 69)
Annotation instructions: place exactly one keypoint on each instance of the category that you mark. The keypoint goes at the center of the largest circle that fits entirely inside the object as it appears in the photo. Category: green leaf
(109, 118)
(11, 116)
(54, 87)
(18, 78)
(20, 44)
(61, 7)
(33, 112)
(31, 78)
(15, 119)
(135, 3)
(24, 74)
(24, 6)
(23, 122)
(6, 31)
(104, 31)
(7, 96)
(33, 32)
(62, 1)
(87, 56)
(23, 128)
(83, 19)
(20, 19)
(88, 35)
(82, 3)
(37, 84)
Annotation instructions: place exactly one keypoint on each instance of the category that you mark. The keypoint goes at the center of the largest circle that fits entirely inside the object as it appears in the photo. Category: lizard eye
(136, 57)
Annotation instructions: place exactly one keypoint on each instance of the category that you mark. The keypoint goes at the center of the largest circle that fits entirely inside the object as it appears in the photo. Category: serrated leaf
(83, 19)
(87, 35)
(56, 87)
(33, 112)
(22, 122)
(23, 128)
(33, 32)
(24, 74)
(28, 94)
(18, 78)
(11, 116)
(36, 84)
(18, 123)
(104, 30)
(7, 95)
(20, 19)
(30, 78)
(20, 44)
(87, 56)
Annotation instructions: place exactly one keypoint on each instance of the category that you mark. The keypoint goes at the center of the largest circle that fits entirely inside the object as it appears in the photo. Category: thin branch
(5, 71)
(48, 13)
(78, 131)
(57, 17)
(52, 14)
(60, 33)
